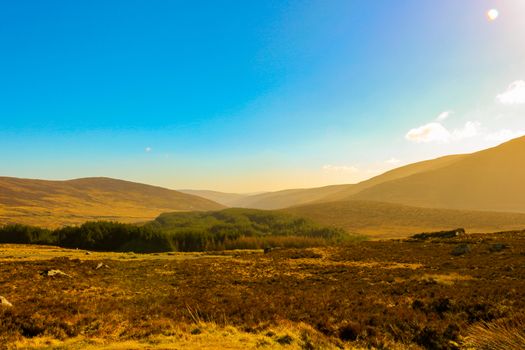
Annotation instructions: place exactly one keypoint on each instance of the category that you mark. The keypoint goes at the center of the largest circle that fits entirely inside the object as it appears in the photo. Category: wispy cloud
(340, 169)
(392, 161)
(431, 132)
(436, 132)
(515, 94)
(444, 116)
(471, 129)
(148, 149)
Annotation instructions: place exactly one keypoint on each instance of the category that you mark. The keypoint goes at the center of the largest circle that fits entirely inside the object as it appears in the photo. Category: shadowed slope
(55, 203)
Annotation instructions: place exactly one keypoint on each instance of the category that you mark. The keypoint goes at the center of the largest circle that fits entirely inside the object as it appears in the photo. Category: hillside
(389, 220)
(491, 179)
(57, 203)
(394, 174)
(286, 198)
(293, 197)
(224, 198)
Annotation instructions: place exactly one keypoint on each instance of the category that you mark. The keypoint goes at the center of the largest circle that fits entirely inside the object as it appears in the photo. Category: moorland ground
(454, 293)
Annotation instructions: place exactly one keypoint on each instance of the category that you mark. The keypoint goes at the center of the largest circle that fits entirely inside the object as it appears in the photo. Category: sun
(492, 14)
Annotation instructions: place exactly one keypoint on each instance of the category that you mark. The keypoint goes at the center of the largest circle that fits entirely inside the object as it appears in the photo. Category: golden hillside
(286, 198)
(224, 198)
(56, 203)
(389, 220)
(493, 179)
(294, 197)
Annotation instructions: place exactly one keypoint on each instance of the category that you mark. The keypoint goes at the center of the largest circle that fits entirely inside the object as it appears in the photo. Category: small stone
(54, 273)
(4, 302)
(101, 265)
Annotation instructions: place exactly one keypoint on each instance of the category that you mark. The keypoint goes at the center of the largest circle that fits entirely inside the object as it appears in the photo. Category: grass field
(379, 294)
(379, 220)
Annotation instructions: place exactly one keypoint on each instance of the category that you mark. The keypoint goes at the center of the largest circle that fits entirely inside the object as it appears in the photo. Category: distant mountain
(55, 203)
(492, 179)
(288, 198)
(226, 199)
(390, 220)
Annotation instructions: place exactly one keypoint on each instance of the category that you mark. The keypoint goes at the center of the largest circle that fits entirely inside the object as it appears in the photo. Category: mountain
(56, 203)
(226, 199)
(390, 220)
(492, 179)
(288, 198)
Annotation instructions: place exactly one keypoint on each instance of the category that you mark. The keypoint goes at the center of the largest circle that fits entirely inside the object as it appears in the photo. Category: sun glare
(492, 14)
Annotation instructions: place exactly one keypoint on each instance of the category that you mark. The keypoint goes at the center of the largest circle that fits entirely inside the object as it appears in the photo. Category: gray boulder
(461, 249)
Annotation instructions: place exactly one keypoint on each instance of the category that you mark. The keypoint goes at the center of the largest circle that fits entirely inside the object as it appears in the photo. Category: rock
(460, 249)
(88, 253)
(54, 273)
(101, 265)
(269, 250)
(441, 234)
(497, 247)
(4, 302)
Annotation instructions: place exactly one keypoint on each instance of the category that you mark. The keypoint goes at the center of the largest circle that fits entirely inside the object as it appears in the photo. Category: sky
(249, 96)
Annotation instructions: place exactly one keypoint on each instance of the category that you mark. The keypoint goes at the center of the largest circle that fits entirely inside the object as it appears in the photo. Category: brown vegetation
(389, 220)
(389, 294)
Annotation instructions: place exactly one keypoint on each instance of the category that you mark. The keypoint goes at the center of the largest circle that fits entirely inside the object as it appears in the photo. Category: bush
(185, 231)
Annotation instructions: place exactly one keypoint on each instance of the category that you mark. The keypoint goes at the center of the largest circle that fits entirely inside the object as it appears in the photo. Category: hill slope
(224, 198)
(493, 179)
(294, 197)
(286, 198)
(389, 220)
(56, 203)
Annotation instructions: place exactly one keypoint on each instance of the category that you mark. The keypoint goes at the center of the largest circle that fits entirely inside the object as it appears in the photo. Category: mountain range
(491, 180)
(481, 191)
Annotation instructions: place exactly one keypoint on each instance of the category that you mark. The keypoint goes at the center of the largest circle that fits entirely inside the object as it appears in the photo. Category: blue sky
(254, 95)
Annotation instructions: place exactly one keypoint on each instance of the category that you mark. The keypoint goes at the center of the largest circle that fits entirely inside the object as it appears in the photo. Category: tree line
(185, 232)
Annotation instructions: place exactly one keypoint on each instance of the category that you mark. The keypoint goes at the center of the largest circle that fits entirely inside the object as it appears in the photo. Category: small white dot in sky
(492, 14)
(147, 149)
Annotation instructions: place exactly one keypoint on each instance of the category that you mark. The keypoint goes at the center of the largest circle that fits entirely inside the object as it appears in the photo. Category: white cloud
(515, 94)
(504, 135)
(148, 149)
(431, 132)
(470, 129)
(443, 116)
(393, 161)
(340, 169)
(436, 132)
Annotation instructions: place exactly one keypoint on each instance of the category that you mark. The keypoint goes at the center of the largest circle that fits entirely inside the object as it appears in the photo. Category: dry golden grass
(508, 334)
(377, 294)
(387, 220)
(199, 336)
